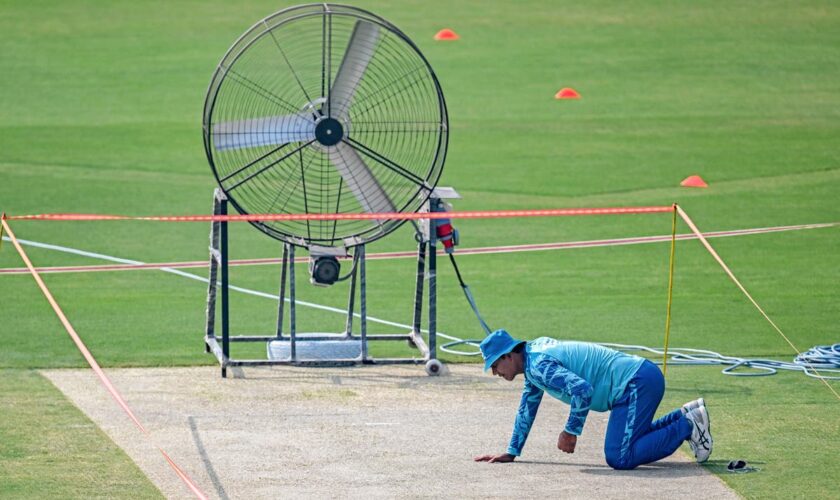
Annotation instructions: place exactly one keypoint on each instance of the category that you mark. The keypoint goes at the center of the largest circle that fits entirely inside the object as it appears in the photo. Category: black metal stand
(313, 349)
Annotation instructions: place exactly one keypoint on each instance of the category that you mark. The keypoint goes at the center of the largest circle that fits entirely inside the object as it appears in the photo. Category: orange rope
(744, 290)
(475, 214)
(91, 360)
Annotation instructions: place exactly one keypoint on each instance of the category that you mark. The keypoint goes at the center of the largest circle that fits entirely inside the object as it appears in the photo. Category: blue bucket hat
(496, 345)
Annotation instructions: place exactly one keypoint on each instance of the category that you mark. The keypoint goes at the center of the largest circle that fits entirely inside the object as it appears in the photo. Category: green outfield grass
(50, 449)
(100, 110)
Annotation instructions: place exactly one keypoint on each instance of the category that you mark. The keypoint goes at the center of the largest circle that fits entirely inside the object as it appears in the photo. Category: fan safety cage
(325, 108)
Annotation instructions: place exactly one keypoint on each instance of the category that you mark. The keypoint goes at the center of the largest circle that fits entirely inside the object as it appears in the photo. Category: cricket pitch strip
(359, 432)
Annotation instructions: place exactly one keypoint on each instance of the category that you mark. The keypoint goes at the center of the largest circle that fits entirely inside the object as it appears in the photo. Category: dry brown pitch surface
(372, 431)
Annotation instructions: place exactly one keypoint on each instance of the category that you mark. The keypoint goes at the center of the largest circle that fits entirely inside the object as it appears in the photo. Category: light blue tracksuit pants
(633, 438)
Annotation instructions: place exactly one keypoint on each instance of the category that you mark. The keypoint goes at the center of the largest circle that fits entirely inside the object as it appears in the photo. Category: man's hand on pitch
(503, 458)
(566, 442)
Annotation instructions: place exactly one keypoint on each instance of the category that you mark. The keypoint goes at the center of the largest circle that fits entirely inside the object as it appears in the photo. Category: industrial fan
(325, 109)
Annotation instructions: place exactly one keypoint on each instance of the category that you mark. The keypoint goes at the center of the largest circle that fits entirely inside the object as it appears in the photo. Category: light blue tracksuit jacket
(584, 375)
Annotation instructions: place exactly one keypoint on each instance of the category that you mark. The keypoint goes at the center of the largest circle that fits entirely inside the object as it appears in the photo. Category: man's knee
(618, 462)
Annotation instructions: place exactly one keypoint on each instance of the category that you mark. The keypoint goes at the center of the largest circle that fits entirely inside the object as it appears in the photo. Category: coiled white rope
(822, 358)
(825, 359)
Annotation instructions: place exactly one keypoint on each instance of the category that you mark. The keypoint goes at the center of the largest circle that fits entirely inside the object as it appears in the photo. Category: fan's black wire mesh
(286, 65)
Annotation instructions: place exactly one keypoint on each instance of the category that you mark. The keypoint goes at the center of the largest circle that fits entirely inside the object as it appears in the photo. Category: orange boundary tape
(92, 361)
(476, 214)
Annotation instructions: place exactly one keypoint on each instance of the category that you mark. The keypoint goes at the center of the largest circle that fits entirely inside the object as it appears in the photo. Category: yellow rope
(670, 291)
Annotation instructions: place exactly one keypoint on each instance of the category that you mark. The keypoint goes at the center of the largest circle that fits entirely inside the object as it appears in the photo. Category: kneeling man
(593, 377)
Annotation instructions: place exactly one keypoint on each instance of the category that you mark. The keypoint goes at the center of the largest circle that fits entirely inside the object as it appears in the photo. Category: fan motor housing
(329, 132)
(323, 270)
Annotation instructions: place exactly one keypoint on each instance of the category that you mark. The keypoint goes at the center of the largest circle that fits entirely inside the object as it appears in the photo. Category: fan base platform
(321, 350)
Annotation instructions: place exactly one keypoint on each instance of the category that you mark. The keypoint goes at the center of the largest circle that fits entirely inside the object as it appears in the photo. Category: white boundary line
(191, 276)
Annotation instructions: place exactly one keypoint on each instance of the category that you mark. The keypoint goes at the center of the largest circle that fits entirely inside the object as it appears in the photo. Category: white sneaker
(701, 437)
(692, 405)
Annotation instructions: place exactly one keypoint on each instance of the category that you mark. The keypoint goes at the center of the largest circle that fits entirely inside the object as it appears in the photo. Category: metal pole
(432, 289)
(351, 302)
(292, 326)
(418, 287)
(215, 256)
(363, 300)
(281, 306)
(225, 283)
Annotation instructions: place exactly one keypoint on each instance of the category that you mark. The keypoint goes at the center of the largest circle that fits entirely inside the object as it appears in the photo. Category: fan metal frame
(265, 27)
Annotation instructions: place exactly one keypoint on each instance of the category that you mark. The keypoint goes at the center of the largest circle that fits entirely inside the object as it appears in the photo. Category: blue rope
(471, 300)
(473, 342)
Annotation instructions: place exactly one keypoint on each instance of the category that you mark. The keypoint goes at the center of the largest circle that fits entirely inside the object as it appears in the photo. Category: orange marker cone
(446, 34)
(694, 181)
(567, 93)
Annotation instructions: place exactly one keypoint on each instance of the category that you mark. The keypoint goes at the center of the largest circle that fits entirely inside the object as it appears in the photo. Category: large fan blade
(359, 52)
(269, 131)
(360, 179)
